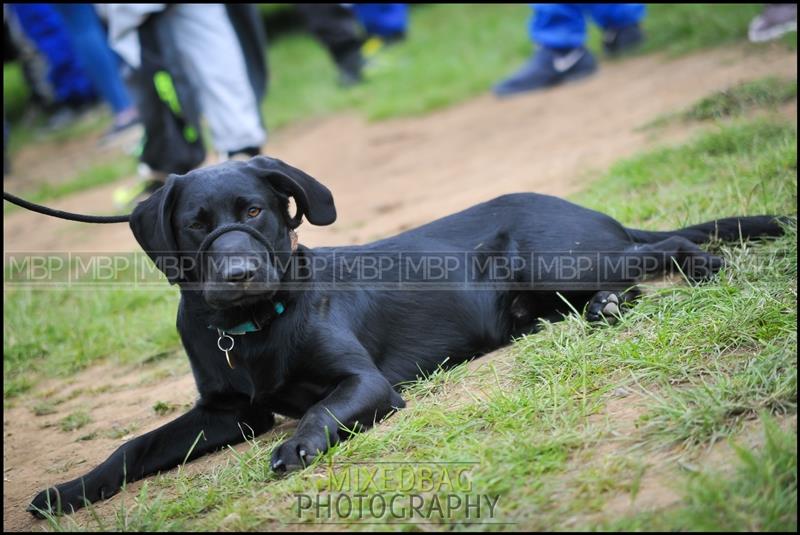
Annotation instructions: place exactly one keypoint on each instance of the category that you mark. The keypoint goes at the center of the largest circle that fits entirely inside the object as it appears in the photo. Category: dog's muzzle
(240, 267)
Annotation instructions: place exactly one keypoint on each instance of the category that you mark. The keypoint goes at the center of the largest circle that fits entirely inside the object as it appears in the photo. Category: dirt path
(385, 177)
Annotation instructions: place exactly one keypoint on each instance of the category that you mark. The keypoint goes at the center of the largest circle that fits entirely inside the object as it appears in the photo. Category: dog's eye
(197, 225)
(253, 211)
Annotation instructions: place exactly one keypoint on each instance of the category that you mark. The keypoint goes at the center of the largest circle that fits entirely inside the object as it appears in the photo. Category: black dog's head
(226, 229)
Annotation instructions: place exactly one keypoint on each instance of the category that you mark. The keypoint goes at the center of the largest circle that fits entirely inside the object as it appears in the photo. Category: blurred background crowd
(172, 75)
(160, 68)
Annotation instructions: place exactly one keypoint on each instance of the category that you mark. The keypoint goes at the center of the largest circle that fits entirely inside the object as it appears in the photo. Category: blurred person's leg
(250, 31)
(214, 61)
(98, 60)
(168, 106)
(33, 63)
(338, 29)
(621, 25)
(774, 21)
(71, 88)
(559, 33)
(170, 103)
(558, 26)
(387, 21)
(385, 24)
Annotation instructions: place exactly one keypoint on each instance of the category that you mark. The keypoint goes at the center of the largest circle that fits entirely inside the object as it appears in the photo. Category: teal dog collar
(249, 326)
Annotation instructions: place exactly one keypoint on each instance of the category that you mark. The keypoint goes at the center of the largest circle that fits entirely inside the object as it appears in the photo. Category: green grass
(75, 420)
(44, 407)
(706, 408)
(705, 359)
(15, 91)
(141, 322)
(714, 163)
(760, 495)
(117, 432)
(680, 28)
(764, 92)
(161, 408)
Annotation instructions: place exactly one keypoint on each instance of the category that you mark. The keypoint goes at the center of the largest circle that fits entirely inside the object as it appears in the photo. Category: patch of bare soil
(386, 177)
(647, 477)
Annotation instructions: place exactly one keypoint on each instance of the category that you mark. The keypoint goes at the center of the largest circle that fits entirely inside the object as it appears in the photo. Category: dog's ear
(314, 201)
(151, 223)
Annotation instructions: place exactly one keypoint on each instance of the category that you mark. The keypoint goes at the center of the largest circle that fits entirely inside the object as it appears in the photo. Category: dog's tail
(727, 229)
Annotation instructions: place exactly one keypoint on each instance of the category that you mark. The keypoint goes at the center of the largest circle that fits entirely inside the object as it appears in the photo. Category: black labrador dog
(327, 335)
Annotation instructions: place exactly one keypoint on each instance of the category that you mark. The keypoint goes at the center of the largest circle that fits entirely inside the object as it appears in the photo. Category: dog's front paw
(604, 306)
(71, 496)
(58, 500)
(296, 453)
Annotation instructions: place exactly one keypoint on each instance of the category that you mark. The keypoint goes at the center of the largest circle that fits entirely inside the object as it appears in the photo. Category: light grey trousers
(214, 63)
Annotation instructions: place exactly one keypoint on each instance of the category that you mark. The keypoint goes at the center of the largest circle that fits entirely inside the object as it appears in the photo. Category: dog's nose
(240, 272)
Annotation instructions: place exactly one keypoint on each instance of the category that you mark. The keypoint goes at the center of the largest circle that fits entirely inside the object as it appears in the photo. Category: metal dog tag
(222, 336)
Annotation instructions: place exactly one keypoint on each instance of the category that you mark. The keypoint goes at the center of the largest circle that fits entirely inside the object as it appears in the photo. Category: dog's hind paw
(604, 306)
(703, 267)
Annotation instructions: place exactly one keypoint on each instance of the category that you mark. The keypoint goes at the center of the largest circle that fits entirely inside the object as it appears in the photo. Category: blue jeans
(563, 26)
(44, 27)
(92, 49)
(384, 20)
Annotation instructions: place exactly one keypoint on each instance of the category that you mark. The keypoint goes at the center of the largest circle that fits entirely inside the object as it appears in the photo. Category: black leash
(82, 218)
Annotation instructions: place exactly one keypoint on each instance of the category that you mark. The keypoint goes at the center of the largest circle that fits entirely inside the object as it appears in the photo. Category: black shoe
(351, 66)
(547, 68)
(244, 154)
(617, 41)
